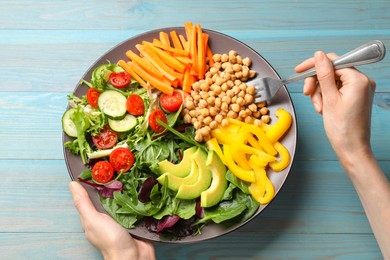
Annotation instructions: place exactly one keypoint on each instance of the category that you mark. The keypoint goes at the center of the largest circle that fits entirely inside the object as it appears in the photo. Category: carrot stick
(183, 59)
(134, 75)
(164, 38)
(185, 43)
(188, 28)
(144, 63)
(201, 52)
(187, 80)
(193, 51)
(159, 44)
(209, 54)
(155, 60)
(175, 40)
(167, 58)
(154, 82)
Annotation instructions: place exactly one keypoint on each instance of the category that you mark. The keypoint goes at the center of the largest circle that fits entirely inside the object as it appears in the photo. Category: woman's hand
(344, 98)
(113, 241)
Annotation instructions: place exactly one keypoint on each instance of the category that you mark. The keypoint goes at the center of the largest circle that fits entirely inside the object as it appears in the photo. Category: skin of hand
(113, 241)
(344, 98)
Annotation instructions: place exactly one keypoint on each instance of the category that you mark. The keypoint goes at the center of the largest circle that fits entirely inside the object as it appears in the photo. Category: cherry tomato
(122, 159)
(171, 103)
(120, 79)
(102, 172)
(157, 114)
(106, 139)
(92, 97)
(135, 105)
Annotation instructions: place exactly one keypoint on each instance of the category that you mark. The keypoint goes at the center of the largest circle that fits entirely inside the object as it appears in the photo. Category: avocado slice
(174, 182)
(180, 169)
(193, 190)
(213, 195)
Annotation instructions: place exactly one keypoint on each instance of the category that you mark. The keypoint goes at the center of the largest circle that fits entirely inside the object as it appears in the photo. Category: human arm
(113, 241)
(344, 98)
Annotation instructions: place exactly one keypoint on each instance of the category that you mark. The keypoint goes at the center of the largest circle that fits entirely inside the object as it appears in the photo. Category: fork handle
(370, 52)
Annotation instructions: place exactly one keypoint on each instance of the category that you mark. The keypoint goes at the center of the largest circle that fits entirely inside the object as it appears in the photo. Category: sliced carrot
(209, 54)
(175, 40)
(164, 38)
(183, 59)
(168, 59)
(159, 44)
(155, 60)
(185, 43)
(187, 81)
(144, 63)
(201, 52)
(134, 75)
(188, 29)
(154, 82)
(193, 51)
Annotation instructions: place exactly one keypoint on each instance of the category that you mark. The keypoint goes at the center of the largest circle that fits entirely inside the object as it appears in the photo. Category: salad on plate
(172, 140)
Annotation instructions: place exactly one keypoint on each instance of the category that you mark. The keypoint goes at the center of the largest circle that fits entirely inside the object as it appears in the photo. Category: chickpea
(232, 53)
(218, 102)
(247, 61)
(198, 137)
(232, 114)
(207, 120)
(224, 57)
(213, 125)
(252, 73)
(197, 125)
(256, 114)
(264, 111)
(224, 106)
(248, 120)
(265, 119)
(217, 57)
(217, 89)
(243, 114)
(235, 107)
(250, 90)
(234, 100)
(213, 70)
(248, 99)
(237, 67)
(239, 59)
(241, 94)
(189, 105)
(257, 122)
(240, 101)
(202, 103)
(219, 118)
(252, 107)
(211, 101)
(261, 104)
(224, 122)
(187, 119)
(192, 113)
(213, 111)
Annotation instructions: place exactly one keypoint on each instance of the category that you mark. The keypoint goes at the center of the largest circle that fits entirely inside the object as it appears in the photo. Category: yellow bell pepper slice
(277, 130)
(262, 190)
(227, 135)
(213, 145)
(239, 172)
(265, 158)
(262, 138)
(239, 157)
(284, 158)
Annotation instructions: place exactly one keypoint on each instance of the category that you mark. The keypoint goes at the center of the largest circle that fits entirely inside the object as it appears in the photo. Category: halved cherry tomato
(102, 172)
(92, 97)
(171, 103)
(122, 159)
(135, 105)
(106, 139)
(157, 114)
(120, 79)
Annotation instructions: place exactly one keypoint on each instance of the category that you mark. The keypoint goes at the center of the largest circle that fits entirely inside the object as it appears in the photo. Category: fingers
(82, 201)
(325, 76)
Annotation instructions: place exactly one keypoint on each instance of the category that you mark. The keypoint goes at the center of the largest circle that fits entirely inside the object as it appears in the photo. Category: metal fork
(373, 51)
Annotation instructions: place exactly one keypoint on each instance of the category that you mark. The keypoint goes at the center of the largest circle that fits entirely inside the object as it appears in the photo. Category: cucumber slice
(124, 125)
(67, 124)
(113, 104)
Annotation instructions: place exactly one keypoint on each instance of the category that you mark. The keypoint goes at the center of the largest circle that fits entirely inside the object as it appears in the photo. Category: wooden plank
(56, 60)
(245, 246)
(32, 120)
(122, 15)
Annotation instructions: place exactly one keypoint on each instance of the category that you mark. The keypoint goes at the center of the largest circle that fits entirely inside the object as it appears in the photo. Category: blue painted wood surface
(45, 48)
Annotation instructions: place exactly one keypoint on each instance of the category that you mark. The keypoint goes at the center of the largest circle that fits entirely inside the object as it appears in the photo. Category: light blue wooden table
(45, 48)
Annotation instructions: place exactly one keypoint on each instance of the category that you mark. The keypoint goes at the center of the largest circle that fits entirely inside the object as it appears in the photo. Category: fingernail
(319, 55)
(74, 189)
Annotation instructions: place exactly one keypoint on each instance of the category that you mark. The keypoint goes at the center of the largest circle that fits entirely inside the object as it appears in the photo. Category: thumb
(81, 200)
(325, 75)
